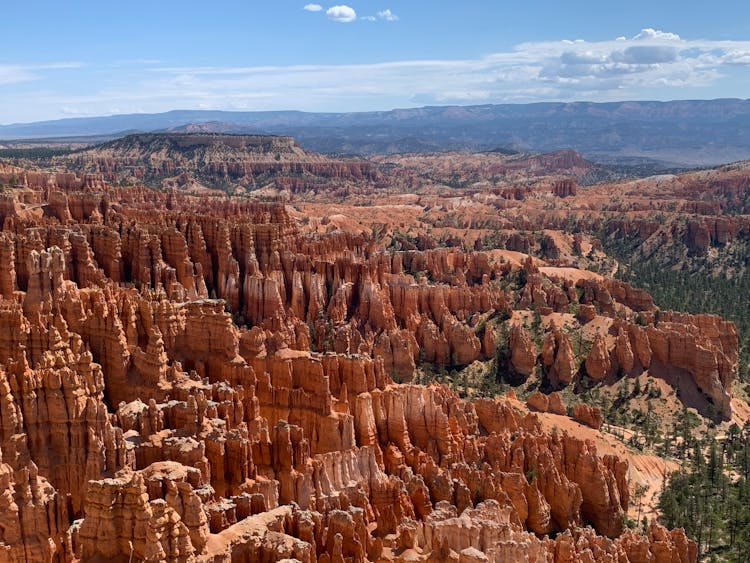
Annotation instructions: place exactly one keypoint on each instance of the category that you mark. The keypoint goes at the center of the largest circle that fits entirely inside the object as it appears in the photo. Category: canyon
(189, 375)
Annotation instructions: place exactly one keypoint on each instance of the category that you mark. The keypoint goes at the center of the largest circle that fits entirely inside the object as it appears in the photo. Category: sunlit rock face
(198, 379)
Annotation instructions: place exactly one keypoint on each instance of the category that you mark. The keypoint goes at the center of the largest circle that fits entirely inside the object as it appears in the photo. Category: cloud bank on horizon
(651, 64)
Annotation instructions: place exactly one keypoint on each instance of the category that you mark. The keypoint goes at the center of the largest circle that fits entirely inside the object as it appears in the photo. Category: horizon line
(392, 109)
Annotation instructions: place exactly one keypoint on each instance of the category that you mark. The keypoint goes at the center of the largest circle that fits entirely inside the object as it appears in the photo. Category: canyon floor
(225, 348)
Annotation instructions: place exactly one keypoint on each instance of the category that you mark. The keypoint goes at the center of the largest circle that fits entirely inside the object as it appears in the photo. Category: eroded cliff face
(195, 379)
(190, 161)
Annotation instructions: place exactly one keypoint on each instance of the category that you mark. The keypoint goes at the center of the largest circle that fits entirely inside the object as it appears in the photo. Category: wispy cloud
(387, 15)
(341, 14)
(14, 74)
(313, 7)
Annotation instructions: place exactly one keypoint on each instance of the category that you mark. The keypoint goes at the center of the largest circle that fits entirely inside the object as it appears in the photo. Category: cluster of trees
(710, 495)
(639, 426)
(43, 154)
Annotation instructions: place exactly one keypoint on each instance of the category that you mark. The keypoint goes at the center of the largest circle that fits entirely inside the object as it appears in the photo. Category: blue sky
(81, 58)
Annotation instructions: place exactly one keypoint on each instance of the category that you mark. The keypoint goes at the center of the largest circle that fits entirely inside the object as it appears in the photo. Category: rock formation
(190, 160)
(558, 357)
(197, 379)
(597, 360)
(523, 351)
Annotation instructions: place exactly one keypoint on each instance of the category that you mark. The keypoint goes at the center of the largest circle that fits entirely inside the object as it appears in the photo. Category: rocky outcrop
(184, 160)
(624, 353)
(558, 357)
(547, 403)
(588, 415)
(121, 522)
(702, 345)
(552, 403)
(33, 516)
(564, 188)
(523, 351)
(597, 361)
(697, 351)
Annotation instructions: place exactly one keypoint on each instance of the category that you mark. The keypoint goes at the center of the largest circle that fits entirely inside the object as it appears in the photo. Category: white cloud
(649, 33)
(650, 65)
(368, 18)
(641, 66)
(646, 54)
(342, 14)
(735, 57)
(313, 7)
(387, 15)
(586, 57)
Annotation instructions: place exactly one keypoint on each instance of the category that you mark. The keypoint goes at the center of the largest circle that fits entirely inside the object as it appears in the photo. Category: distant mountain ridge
(695, 132)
